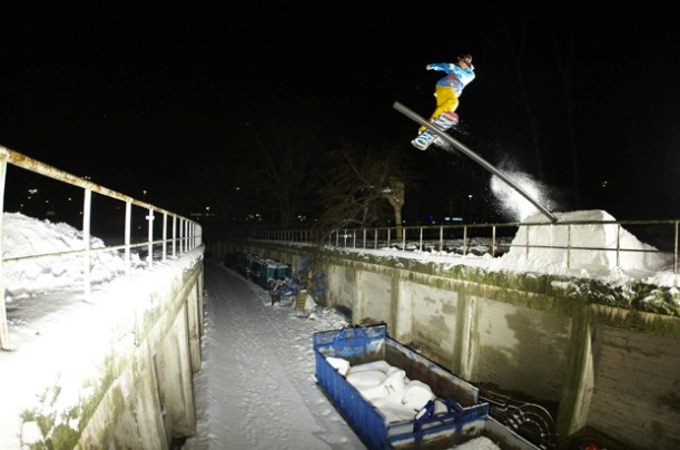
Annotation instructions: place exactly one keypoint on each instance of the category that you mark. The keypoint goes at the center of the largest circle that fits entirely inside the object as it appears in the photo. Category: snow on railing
(186, 234)
(497, 239)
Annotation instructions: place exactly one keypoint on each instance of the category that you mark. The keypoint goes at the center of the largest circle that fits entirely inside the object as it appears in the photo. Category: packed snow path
(256, 388)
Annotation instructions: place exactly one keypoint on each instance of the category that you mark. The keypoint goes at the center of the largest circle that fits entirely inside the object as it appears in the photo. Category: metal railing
(496, 239)
(185, 234)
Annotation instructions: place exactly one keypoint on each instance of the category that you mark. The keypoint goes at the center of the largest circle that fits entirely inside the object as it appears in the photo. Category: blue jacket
(457, 78)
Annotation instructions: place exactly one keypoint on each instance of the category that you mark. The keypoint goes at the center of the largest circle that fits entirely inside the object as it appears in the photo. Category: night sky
(132, 97)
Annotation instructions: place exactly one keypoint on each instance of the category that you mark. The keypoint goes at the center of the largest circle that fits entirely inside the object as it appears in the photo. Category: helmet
(465, 57)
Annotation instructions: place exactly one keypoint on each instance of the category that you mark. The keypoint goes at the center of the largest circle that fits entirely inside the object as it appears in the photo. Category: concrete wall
(567, 342)
(636, 374)
(150, 401)
(134, 390)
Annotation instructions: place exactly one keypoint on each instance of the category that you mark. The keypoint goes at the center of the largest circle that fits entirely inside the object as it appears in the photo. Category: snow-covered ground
(257, 388)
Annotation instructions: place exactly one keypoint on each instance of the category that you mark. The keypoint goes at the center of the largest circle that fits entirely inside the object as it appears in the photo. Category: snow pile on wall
(27, 236)
(592, 246)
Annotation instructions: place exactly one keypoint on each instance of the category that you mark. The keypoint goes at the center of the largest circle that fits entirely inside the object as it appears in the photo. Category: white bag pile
(387, 387)
(399, 399)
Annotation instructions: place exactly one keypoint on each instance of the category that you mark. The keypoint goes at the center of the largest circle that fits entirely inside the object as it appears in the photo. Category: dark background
(133, 96)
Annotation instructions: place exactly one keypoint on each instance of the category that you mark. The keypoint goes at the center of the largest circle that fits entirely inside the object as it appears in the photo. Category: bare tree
(286, 161)
(359, 183)
(395, 194)
(271, 168)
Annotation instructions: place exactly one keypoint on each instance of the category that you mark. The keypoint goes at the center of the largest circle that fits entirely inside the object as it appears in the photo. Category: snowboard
(443, 122)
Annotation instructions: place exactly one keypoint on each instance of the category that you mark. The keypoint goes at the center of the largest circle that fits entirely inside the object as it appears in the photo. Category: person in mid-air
(447, 92)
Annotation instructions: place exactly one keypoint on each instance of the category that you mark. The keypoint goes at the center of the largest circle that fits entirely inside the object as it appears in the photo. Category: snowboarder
(447, 91)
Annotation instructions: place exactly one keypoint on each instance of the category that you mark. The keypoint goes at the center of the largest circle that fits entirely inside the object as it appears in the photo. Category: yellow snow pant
(446, 101)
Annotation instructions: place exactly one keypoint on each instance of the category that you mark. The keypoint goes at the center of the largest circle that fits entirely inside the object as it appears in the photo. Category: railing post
(174, 236)
(128, 235)
(87, 211)
(192, 236)
(389, 237)
(180, 235)
(420, 243)
(465, 228)
(183, 236)
(149, 220)
(165, 236)
(526, 240)
(569, 246)
(403, 239)
(441, 238)
(675, 250)
(618, 245)
(493, 241)
(4, 329)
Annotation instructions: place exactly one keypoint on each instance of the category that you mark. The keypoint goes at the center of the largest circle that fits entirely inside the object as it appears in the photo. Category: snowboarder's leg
(446, 120)
(444, 117)
(446, 101)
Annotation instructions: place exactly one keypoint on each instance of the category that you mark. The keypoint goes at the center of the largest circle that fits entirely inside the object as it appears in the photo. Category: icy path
(256, 389)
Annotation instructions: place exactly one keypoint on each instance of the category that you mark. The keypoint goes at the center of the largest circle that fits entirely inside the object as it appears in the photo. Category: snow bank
(27, 236)
(592, 247)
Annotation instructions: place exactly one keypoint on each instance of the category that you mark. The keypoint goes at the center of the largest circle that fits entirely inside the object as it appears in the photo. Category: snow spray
(511, 203)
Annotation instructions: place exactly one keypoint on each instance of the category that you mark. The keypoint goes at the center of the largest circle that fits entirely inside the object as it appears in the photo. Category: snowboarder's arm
(443, 67)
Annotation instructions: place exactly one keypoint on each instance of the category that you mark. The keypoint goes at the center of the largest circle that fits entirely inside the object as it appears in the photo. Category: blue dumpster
(465, 416)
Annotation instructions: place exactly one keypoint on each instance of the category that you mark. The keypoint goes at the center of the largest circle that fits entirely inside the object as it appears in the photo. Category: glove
(429, 67)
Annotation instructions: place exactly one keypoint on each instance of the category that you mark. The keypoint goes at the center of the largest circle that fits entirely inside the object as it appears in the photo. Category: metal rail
(186, 233)
(475, 157)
